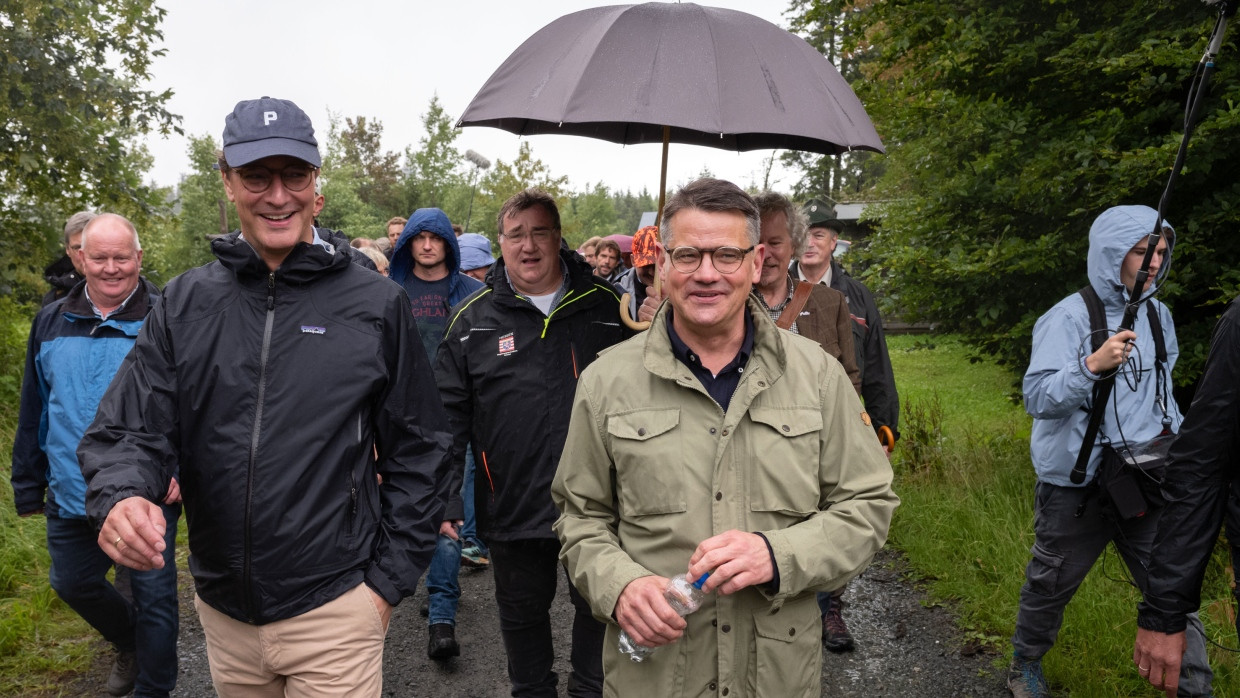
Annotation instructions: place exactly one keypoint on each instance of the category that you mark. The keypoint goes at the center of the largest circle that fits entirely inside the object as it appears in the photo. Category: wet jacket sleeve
(878, 381)
(412, 437)
(131, 447)
(30, 464)
(854, 509)
(456, 392)
(1203, 463)
(1057, 384)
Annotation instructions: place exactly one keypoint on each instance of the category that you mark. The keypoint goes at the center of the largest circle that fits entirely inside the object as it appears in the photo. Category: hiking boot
(443, 642)
(124, 672)
(1025, 678)
(835, 635)
(474, 556)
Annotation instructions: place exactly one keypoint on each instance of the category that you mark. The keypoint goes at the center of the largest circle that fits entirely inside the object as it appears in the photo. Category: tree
(351, 158)
(70, 73)
(434, 170)
(823, 23)
(359, 147)
(1009, 127)
(505, 179)
(184, 242)
(589, 213)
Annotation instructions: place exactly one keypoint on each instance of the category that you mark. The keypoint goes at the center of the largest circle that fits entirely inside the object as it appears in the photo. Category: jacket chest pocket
(646, 448)
(784, 473)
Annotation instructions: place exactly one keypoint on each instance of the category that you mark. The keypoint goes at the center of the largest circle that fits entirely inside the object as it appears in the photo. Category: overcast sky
(385, 60)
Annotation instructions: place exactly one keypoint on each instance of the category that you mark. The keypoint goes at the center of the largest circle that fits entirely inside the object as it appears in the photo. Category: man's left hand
(1157, 657)
(735, 560)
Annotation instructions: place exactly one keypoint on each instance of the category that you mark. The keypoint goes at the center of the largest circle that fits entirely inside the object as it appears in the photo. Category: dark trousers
(525, 581)
(1064, 550)
(148, 626)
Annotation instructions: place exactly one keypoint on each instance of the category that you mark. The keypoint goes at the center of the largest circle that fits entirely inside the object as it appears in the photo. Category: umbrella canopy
(681, 72)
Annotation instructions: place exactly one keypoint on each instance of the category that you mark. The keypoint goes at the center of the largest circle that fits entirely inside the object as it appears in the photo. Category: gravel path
(903, 647)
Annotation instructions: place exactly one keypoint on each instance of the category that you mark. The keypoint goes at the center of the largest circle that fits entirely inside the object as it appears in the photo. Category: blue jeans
(1065, 547)
(148, 626)
(469, 529)
(441, 581)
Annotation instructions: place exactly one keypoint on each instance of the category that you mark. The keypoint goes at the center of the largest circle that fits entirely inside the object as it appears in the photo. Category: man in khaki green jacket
(715, 443)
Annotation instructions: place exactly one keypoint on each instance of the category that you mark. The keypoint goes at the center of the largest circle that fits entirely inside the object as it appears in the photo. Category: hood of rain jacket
(1057, 386)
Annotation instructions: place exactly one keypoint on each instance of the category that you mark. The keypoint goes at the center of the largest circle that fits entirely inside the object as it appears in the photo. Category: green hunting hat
(821, 214)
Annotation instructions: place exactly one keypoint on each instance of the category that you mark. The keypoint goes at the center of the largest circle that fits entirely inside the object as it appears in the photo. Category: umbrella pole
(630, 322)
(667, 137)
(658, 217)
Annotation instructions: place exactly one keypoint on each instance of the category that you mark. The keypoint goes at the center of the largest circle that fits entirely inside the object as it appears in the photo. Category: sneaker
(1025, 678)
(442, 644)
(124, 672)
(474, 556)
(835, 635)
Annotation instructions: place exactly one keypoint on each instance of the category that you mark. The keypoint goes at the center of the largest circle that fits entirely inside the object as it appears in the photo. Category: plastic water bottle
(683, 596)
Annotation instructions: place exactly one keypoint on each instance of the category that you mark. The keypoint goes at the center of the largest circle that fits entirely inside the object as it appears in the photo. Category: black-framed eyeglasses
(257, 180)
(726, 260)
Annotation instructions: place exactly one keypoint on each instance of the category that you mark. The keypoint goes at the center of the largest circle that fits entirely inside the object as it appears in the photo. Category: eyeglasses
(257, 180)
(540, 236)
(726, 260)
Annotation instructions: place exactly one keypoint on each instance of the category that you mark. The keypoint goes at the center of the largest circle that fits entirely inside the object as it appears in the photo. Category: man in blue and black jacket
(76, 345)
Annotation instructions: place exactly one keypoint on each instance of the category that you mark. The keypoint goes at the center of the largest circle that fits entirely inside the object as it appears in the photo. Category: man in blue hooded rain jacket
(1072, 524)
(426, 261)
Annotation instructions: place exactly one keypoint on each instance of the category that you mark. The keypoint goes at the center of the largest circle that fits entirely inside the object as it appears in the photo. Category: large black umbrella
(661, 72)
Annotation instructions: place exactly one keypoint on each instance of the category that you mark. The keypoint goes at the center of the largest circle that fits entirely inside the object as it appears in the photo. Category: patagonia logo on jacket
(313, 329)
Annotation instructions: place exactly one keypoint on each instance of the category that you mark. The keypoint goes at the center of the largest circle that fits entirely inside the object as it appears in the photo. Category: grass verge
(41, 640)
(966, 525)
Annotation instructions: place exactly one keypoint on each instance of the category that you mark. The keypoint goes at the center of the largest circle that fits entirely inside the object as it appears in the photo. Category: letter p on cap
(268, 117)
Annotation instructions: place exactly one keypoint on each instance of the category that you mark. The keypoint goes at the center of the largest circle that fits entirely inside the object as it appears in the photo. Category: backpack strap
(1160, 364)
(1097, 317)
(1098, 333)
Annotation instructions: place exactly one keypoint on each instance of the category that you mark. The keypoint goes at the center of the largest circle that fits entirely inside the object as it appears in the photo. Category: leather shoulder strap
(793, 309)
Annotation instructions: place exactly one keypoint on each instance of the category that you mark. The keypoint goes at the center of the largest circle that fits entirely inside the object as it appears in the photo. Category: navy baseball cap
(261, 128)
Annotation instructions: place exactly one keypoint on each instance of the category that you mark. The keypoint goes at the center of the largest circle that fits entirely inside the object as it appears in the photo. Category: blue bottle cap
(700, 581)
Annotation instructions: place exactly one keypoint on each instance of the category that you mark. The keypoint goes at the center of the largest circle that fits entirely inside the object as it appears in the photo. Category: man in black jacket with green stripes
(507, 371)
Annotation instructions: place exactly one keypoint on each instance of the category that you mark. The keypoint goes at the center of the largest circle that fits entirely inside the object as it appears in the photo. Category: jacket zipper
(254, 439)
(563, 302)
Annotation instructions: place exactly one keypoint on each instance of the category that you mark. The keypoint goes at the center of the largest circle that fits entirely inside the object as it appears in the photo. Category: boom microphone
(479, 161)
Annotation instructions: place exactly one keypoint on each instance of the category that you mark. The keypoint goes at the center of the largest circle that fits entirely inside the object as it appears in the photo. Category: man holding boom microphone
(1074, 522)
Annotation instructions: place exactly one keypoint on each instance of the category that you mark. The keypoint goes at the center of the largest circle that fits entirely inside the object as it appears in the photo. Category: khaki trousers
(333, 650)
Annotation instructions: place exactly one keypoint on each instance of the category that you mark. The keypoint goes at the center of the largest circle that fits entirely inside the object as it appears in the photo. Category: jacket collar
(767, 363)
(76, 305)
(580, 276)
(304, 263)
